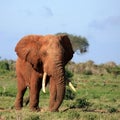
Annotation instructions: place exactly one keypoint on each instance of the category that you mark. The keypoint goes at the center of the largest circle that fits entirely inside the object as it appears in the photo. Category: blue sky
(97, 20)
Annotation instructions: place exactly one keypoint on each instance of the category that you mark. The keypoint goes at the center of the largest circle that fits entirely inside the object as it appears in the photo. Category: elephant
(41, 60)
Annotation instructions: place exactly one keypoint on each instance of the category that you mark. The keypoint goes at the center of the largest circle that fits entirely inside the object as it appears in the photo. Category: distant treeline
(90, 68)
(87, 68)
(7, 65)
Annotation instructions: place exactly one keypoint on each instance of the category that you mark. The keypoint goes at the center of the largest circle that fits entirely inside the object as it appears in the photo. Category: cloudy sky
(97, 20)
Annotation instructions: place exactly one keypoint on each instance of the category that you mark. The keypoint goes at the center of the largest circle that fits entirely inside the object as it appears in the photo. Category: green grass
(97, 98)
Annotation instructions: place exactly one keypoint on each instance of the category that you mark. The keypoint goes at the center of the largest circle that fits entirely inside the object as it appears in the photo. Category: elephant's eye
(44, 53)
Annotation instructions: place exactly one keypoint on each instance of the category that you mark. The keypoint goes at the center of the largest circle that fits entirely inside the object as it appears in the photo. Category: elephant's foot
(35, 109)
(18, 107)
(53, 110)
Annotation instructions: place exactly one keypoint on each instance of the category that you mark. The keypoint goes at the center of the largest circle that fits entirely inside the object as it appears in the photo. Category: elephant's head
(47, 54)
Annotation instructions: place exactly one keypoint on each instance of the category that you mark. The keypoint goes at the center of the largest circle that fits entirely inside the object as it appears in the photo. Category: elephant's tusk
(71, 86)
(43, 81)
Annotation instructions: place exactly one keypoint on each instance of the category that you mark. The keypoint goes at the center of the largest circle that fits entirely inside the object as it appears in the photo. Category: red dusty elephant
(42, 57)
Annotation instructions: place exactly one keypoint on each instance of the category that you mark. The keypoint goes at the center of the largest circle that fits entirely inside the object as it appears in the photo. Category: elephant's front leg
(34, 94)
(20, 93)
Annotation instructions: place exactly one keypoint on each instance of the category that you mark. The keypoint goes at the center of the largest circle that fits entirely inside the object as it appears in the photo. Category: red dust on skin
(38, 55)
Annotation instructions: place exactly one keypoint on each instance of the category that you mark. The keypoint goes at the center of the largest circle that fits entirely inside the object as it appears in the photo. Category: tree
(79, 44)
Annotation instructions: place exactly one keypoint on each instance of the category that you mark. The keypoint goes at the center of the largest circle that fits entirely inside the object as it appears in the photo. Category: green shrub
(81, 103)
(68, 74)
(112, 110)
(87, 72)
(113, 70)
(7, 65)
(4, 65)
(69, 94)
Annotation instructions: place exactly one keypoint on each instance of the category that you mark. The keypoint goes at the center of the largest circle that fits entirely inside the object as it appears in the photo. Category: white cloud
(105, 23)
(42, 11)
(48, 12)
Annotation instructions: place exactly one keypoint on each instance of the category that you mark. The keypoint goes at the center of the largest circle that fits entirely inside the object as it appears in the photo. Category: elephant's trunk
(59, 78)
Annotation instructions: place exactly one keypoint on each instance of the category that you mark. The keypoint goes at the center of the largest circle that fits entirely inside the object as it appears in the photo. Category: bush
(81, 103)
(113, 70)
(68, 74)
(112, 109)
(69, 95)
(87, 72)
(7, 65)
(4, 65)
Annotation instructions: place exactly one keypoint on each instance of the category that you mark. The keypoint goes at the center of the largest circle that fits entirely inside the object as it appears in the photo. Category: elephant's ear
(67, 47)
(28, 49)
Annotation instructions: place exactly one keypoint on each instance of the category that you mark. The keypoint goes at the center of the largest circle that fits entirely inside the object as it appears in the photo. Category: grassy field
(97, 98)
